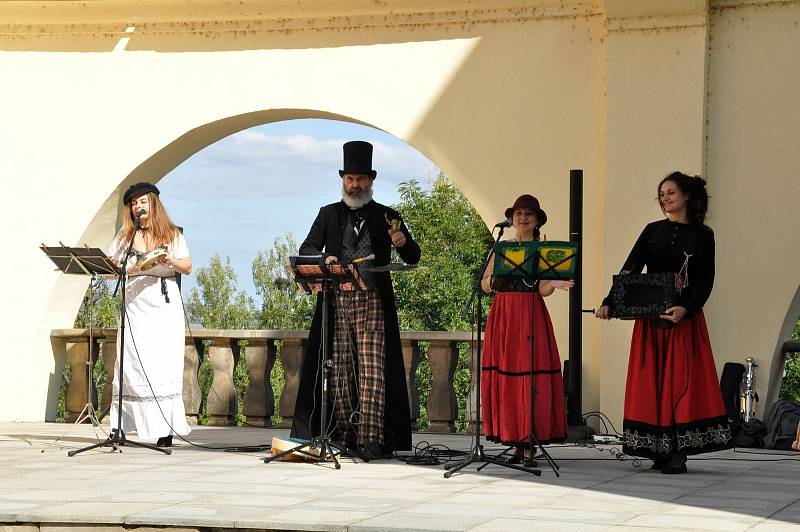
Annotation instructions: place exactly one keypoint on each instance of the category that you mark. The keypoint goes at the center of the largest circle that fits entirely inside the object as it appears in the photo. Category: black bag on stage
(750, 434)
(782, 420)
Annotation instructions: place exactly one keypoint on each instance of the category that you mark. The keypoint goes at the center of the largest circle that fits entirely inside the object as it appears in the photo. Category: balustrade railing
(263, 348)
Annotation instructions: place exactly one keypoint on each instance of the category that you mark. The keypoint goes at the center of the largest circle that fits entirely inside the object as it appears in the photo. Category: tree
(99, 308)
(217, 303)
(454, 242)
(790, 384)
(283, 305)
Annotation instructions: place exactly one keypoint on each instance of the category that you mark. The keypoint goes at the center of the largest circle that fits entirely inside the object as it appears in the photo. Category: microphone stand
(477, 455)
(116, 438)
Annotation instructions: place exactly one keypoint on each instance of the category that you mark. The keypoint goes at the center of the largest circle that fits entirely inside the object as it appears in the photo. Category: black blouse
(662, 247)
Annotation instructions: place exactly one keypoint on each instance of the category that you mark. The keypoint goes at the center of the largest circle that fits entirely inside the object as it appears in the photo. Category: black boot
(164, 441)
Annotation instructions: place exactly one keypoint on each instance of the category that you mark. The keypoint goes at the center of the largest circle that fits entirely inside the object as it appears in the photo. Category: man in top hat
(367, 391)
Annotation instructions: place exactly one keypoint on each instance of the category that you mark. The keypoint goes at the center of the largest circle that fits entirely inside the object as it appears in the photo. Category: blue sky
(235, 197)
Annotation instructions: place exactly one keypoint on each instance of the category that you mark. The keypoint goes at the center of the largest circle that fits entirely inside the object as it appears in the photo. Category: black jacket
(325, 238)
(661, 248)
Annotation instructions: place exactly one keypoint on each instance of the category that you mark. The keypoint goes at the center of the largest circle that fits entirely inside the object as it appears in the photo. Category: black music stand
(542, 268)
(477, 454)
(311, 274)
(84, 261)
(117, 438)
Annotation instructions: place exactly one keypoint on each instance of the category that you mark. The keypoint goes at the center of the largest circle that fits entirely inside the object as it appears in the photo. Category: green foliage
(278, 380)
(98, 309)
(216, 302)
(454, 242)
(790, 385)
(283, 305)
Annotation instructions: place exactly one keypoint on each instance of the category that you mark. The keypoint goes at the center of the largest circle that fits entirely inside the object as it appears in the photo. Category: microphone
(505, 223)
(139, 214)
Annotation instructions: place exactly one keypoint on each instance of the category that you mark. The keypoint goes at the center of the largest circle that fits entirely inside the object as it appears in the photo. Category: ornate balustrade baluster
(192, 395)
(79, 384)
(291, 357)
(259, 401)
(411, 357)
(221, 406)
(442, 405)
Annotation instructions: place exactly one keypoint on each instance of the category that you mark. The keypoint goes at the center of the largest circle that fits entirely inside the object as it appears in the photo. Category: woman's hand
(603, 313)
(330, 259)
(168, 261)
(674, 314)
(546, 288)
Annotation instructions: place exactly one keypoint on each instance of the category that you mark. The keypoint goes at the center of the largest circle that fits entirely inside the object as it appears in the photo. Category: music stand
(477, 454)
(117, 438)
(83, 261)
(311, 275)
(553, 261)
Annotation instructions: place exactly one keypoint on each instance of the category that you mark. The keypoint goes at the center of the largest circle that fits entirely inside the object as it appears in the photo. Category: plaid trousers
(357, 384)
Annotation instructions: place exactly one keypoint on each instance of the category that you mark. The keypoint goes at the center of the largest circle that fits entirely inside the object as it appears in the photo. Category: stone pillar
(475, 374)
(109, 354)
(79, 385)
(291, 358)
(192, 395)
(221, 404)
(411, 361)
(259, 401)
(442, 405)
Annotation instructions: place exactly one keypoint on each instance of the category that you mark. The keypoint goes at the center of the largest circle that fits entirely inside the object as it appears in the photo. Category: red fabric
(672, 379)
(505, 372)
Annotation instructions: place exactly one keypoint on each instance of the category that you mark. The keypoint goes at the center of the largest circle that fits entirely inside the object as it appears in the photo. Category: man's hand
(398, 238)
(331, 259)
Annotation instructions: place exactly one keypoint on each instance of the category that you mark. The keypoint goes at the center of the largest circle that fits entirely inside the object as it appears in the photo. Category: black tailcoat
(325, 237)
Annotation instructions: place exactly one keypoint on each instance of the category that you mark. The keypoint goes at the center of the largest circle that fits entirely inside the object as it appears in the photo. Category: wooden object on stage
(308, 454)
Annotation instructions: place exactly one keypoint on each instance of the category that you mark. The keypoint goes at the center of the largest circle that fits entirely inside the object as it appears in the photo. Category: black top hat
(526, 201)
(134, 191)
(357, 159)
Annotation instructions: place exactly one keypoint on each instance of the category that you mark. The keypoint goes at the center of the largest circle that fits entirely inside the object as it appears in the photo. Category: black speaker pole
(574, 400)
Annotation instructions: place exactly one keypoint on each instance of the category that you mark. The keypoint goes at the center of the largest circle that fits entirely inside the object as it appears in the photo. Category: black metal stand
(534, 443)
(117, 437)
(477, 454)
(323, 441)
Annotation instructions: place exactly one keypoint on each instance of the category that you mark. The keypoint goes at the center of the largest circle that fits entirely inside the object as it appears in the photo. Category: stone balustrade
(263, 348)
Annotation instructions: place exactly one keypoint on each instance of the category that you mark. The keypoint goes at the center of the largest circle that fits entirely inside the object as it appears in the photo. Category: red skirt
(673, 402)
(506, 373)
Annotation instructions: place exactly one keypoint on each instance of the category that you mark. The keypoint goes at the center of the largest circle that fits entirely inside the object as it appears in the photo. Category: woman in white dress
(154, 328)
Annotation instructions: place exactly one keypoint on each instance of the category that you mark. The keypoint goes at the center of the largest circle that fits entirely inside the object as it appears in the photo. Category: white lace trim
(147, 398)
(691, 439)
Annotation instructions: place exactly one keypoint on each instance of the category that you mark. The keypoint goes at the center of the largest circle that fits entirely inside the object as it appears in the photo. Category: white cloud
(237, 195)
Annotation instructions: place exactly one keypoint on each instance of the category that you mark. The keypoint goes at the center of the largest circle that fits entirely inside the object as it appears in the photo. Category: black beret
(137, 190)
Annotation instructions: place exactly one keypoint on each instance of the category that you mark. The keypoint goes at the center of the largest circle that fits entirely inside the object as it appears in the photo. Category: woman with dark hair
(673, 402)
(152, 396)
(506, 364)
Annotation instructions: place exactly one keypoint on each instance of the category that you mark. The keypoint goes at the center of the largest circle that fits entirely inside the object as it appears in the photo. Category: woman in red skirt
(506, 364)
(673, 402)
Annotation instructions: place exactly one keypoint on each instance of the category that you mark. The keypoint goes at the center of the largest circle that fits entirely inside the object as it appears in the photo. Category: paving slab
(197, 488)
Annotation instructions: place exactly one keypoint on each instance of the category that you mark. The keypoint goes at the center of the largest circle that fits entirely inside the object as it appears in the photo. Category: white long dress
(154, 348)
